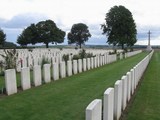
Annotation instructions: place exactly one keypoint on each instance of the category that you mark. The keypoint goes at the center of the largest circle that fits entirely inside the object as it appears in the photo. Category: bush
(76, 57)
(65, 57)
(44, 61)
(10, 58)
(82, 54)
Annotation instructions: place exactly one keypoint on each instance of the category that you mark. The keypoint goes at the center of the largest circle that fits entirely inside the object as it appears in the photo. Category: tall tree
(48, 32)
(2, 37)
(120, 27)
(79, 34)
(43, 32)
(28, 36)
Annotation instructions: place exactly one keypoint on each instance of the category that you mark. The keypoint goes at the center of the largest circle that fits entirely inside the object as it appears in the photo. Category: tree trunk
(80, 45)
(47, 45)
(122, 46)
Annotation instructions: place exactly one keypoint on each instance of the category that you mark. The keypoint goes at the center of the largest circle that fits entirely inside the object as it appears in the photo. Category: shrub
(76, 57)
(10, 58)
(44, 61)
(65, 57)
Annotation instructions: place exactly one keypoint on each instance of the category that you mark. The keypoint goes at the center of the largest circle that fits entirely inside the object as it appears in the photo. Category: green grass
(65, 99)
(146, 105)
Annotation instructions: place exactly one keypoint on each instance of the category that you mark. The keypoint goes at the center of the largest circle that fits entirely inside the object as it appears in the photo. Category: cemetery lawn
(146, 105)
(65, 99)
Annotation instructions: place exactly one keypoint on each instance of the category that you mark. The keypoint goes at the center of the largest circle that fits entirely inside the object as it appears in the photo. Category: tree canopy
(2, 37)
(79, 34)
(43, 32)
(120, 27)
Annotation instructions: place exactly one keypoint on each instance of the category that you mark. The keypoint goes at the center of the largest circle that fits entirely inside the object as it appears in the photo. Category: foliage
(76, 57)
(9, 45)
(10, 58)
(65, 57)
(43, 32)
(44, 61)
(82, 54)
(120, 27)
(2, 37)
(79, 34)
(1, 68)
(28, 36)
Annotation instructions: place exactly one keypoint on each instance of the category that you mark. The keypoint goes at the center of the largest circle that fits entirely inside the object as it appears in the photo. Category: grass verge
(65, 99)
(146, 104)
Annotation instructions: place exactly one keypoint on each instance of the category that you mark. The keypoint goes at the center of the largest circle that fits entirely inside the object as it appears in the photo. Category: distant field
(146, 105)
(65, 99)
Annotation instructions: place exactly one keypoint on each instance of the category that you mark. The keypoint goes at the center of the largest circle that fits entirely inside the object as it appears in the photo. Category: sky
(16, 15)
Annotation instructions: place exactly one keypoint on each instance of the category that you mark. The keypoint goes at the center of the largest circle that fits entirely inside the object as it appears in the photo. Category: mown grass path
(146, 105)
(65, 99)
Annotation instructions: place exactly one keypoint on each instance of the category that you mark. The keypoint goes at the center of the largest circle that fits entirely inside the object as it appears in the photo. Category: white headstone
(124, 92)
(25, 78)
(47, 73)
(94, 110)
(69, 68)
(55, 71)
(128, 85)
(108, 104)
(79, 65)
(37, 75)
(84, 64)
(75, 67)
(62, 69)
(117, 99)
(10, 81)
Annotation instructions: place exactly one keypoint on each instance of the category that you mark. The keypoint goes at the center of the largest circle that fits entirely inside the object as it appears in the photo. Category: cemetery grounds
(67, 98)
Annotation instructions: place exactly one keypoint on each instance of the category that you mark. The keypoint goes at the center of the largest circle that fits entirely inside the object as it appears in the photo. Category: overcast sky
(16, 15)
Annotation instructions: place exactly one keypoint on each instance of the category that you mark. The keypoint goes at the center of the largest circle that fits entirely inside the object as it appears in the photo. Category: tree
(43, 32)
(2, 37)
(48, 32)
(79, 34)
(28, 36)
(120, 27)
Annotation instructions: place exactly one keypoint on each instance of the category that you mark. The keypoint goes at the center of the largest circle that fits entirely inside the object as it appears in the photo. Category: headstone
(10, 81)
(62, 69)
(94, 110)
(37, 75)
(69, 68)
(25, 78)
(124, 92)
(47, 73)
(92, 63)
(117, 99)
(95, 62)
(88, 63)
(108, 104)
(75, 67)
(84, 64)
(128, 85)
(79, 65)
(132, 80)
(55, 71)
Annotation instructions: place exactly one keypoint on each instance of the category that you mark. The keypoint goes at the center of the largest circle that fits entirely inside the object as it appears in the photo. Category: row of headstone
(30, 59)
(129, 54)
(59, 70)
(115, 99)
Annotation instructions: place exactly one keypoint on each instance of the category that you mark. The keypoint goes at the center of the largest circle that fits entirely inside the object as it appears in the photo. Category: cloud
(14, 26)
(22, 20)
